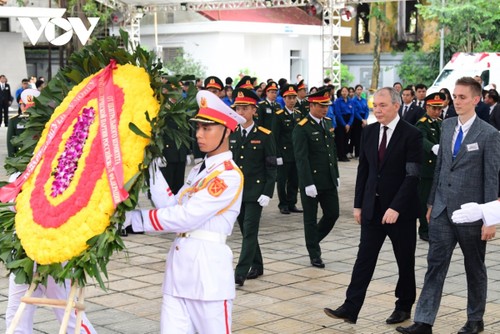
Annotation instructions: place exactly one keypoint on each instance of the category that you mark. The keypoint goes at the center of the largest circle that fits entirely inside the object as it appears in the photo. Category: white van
(462, 64)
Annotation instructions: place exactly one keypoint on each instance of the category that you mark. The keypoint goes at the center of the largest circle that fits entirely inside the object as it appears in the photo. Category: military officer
(214, 85)
(254, 152)
(302, 103)
(316, 155)
(287, 178)
(17, 124)
(430, 126)
(198, 288)
(268, 106)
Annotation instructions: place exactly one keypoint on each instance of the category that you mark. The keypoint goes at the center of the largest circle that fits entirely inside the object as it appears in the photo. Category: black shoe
(397, 316)
(341, 313)
(346, 159)
(317, 262)
(424, 236)
(295, 209)
(472, 327)
(254, 273)
(131, 231)
(416, 328)
(284, 211)
(240, 280)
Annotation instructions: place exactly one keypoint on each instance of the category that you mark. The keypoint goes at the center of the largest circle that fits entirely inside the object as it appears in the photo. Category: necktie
(202, 167)
(243, 133)
(3, 86)
(458, 142)
(382, 147)
(405, 111)
(420, 104)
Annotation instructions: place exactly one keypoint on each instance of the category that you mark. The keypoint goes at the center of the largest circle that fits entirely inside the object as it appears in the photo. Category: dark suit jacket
(6, 95)
(395, 181)
(495, 117)
(483, 111)
(451, 112)
(473, 175)
(413, 114)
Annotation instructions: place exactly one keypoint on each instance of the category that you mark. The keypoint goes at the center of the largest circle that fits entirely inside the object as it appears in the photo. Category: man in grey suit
(467, 170)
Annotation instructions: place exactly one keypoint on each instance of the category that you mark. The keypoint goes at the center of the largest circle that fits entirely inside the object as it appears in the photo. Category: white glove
(263, 200)
(468, 213)
(435, 149)
(160, 162)
(198, 160)
(279, 161)
(188, 159)
(311, 191)
(131, 217)
(161, 195)
(338, 182)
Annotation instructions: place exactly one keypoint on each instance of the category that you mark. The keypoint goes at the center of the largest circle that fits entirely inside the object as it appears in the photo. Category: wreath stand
(69, 305)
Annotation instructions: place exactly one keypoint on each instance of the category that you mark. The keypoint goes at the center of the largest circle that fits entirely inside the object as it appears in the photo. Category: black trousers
(373, 234)
(4, 110)
(342, 138)
(174, 174)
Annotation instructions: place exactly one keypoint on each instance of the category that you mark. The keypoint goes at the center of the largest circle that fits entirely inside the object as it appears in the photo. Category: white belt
(204, 235)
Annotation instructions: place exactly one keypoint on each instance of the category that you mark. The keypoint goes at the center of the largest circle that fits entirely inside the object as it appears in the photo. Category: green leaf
(137, 131)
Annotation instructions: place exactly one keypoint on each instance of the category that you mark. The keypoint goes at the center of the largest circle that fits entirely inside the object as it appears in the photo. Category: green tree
(469, 24)
(183, 63)
(346, 77)
(427, 64)
(377, 12)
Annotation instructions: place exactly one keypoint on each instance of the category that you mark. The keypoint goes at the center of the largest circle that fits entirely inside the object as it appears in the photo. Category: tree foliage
(470, 25)
(418, 66)
(183, 63)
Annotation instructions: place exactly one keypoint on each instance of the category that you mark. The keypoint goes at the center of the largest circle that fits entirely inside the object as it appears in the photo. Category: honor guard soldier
(316, 155)
(254, 152)
(302, 103)
(430, 126)
(198, 288)
(287, 179)
(268, 106)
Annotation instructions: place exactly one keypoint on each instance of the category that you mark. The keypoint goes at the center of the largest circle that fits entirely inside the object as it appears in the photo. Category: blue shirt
(331, 114)
(343, 108)
(361, 110)
(227, 101)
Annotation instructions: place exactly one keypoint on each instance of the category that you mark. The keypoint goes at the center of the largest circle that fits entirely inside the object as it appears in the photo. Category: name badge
(232, 141)
(472, 147)
(268, 110)
(315, 133)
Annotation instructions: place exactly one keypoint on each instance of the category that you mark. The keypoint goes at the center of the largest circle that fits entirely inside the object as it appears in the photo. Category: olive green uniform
(255, 155)
(303, 106)
(431, 132)
(287, 178)
(316, 155)
(266, 113)
(16, 126)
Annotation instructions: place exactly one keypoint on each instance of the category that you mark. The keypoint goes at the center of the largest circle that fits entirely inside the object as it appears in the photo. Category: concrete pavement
(290, 296)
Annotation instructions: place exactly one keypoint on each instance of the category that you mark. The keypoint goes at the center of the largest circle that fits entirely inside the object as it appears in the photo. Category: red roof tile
(290, 15)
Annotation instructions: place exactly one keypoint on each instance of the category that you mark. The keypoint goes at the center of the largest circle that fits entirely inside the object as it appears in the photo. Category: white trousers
(53, 291)
(187, 316)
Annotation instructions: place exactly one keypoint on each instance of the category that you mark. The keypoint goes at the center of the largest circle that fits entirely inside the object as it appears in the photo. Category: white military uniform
(469, 212)
(199, 282)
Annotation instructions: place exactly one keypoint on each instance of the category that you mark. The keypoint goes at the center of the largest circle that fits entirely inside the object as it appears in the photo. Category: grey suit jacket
(473, 175)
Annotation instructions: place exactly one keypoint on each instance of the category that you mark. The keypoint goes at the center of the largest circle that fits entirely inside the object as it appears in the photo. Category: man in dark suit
(420, 94)
(5, 99)
(384, 205)
(254, 152)
(467, 170)
(483, 111)
(316, 156)
(492, 98)
(409, 111)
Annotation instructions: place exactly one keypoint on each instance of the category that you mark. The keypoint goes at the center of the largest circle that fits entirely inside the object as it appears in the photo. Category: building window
(4, 24)
(169, 54)
(362, 33)
(407, 21)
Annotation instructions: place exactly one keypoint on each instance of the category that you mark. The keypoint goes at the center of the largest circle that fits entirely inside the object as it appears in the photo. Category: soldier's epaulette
(303, 121)
(279, 112)
(263, 101)
(328, 118)
(439, 119)
(423, 119)
(263, 129)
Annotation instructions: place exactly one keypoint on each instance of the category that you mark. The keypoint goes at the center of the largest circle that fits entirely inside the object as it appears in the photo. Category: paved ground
(289, 297)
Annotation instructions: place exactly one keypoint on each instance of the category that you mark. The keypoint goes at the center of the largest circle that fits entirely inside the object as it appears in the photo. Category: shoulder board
(439, 119)
(279, 112)
(263, 101)
(263, 129)
(297, 111)
(303, 121)
(423, 119)
(328, 118)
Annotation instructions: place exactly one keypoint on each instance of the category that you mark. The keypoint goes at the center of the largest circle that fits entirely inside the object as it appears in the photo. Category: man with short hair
(316, 156)
(268, 106)
(5, 100)
(398, 87)
(384, 205)
(409, 110)
(492, 99)
(467, 169)
(25, 84)
(420, 94)
(302, 103)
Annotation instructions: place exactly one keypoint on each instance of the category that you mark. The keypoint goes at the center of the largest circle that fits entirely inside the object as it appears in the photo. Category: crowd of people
(431, 157)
